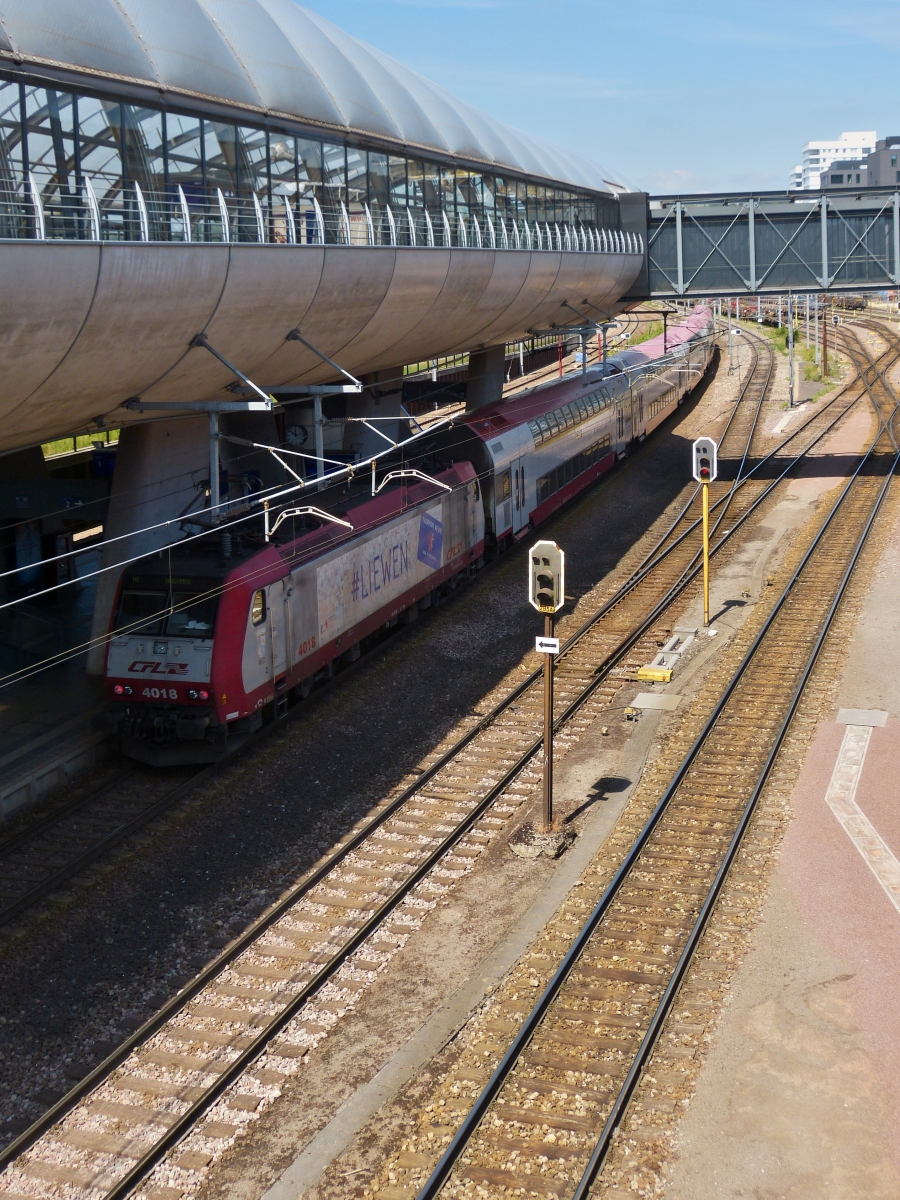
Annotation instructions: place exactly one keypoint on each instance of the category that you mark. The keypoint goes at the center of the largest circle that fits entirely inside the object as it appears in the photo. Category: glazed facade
(77, 165)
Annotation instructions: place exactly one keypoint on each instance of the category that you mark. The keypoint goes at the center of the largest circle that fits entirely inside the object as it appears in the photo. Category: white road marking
(862, 716)
(787, 418)
(841, 799)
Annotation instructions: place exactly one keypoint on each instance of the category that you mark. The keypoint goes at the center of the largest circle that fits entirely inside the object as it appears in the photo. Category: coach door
(520, 500)
(624, 422)
(277, 628)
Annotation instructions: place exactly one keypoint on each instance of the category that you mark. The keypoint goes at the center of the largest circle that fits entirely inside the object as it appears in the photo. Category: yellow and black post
(546, 593)
(705, 470)
(705, 487)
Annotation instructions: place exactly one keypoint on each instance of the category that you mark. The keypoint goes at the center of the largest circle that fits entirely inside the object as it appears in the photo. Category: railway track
(198, 1070)
(47, 854)
(545, 1120)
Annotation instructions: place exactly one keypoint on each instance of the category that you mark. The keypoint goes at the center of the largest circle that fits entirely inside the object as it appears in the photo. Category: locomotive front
(159, 661)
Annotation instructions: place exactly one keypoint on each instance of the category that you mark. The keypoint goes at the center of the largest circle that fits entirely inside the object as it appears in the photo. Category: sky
(676, 97)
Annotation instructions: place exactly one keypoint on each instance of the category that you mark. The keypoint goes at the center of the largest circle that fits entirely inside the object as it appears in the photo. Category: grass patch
(82, 441)
(654, 329)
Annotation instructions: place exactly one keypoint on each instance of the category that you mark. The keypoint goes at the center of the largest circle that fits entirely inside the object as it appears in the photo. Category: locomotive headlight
(192, 693)
(128, 690)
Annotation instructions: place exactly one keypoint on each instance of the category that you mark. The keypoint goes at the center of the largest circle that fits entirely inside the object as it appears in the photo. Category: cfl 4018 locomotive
(203, 648)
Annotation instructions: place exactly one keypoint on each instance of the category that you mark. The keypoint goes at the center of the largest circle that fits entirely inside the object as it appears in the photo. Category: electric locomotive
(203, 648)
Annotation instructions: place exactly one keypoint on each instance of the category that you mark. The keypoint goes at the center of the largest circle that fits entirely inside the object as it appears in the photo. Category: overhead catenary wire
(283, 406)
(257, 499)
(63, 656)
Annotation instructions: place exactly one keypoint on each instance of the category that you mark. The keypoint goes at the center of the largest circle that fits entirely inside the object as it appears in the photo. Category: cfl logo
(139, 667)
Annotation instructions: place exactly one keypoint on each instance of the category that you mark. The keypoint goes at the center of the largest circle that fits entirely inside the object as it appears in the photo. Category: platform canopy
(273, 58)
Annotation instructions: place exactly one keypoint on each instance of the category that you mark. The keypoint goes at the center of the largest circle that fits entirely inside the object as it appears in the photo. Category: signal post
(546, 593)
(705, 470)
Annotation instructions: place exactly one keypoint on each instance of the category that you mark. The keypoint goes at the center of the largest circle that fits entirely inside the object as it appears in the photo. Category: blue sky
(683, 97)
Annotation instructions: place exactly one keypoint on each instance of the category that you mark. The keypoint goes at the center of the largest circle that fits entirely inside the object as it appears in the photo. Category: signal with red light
(705, 464)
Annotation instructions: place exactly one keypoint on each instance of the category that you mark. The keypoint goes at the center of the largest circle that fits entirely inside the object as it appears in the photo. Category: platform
(46, 733)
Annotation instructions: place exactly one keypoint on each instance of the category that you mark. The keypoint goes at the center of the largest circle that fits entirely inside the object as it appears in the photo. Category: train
(212, 638)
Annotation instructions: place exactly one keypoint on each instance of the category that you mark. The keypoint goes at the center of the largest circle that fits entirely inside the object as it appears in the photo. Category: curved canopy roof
(274, 56)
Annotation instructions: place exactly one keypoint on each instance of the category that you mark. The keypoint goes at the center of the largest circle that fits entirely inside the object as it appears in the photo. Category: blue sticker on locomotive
(431, 541)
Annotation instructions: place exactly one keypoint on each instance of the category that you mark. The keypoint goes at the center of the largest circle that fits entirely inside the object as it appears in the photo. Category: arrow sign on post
(545, 645)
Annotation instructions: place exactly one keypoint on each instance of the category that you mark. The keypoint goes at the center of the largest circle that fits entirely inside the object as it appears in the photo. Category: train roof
(379, 510)
(493, 419)
(676, 336)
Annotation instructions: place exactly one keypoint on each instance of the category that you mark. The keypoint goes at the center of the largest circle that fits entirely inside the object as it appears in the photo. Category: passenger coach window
(258, 607)
(504, 486)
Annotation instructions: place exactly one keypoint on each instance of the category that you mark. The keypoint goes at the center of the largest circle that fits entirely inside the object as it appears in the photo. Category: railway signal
(706, 468)
(546, 577)
(547, 593)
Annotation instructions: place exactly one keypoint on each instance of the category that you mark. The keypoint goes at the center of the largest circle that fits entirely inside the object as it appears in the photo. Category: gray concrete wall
(382, 398)
(161, 468)
(487, 374)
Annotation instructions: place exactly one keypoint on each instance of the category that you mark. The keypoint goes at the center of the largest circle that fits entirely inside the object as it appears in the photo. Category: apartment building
(818, 156)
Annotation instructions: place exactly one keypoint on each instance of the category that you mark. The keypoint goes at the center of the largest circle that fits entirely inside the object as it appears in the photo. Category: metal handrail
(40, 227)
(130, 212)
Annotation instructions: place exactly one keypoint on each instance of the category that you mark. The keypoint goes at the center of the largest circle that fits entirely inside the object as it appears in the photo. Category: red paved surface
(841, 900)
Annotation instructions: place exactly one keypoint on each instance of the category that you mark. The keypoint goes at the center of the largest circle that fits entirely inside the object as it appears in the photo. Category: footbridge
(732, 244)
(231, 227)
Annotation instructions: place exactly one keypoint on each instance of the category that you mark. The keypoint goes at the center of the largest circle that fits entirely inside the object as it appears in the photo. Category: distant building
(818, 157)
(884, 163)
(845, 173)
(795, 184)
